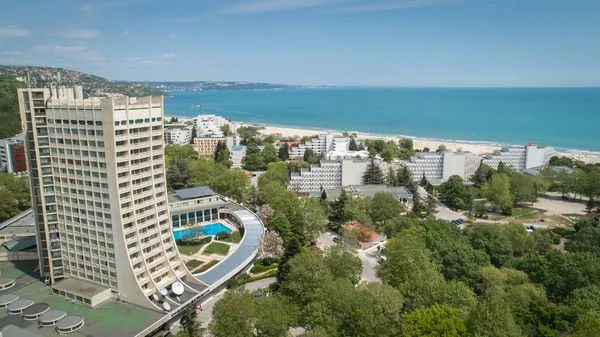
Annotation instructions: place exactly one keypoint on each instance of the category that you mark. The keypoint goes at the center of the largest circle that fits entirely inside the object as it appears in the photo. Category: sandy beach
(419, 143)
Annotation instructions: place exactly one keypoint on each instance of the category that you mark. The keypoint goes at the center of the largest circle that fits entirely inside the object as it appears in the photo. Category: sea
(566, 118)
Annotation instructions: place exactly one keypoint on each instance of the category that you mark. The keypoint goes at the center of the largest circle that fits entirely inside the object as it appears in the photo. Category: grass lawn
(216, 248)
(206, 266)
(189, 250)
(192, 264)
(236, 237)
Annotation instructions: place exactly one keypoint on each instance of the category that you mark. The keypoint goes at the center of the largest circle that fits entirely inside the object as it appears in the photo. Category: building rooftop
(194, 192)
(245, 252)
(21, 224)
(79, 287)
(112, 318)
(365, 191)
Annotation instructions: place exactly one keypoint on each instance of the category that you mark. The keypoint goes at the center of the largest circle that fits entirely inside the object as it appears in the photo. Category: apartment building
(440, 166)
(328, 174)
(12, 154)
(99, 194)
(179, 135)
(321, 145)
(521, 157)
(206, 146)
(209, 125)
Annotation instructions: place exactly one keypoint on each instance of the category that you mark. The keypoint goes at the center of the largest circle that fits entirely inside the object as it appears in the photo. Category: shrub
(563, 232)
(223, 235)
(194, 241)
(259, 268)
(238, 281)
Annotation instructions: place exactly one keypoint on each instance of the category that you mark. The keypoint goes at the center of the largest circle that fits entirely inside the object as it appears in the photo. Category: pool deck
(245, 252)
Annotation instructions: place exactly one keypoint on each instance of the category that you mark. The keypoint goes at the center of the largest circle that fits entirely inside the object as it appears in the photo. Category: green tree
(406, 143)
(253, 162)
(587, 326)
(352, 146)
(184, 153)
(307, 274)
(314, 218)
(390, 177)
(482, 175)
(222, 155)
(339, 205)
(489, 238)
(233, 184)
(497, 192)
(503, 168)
(404, 176)
(522, 188)
(310, 156)
(226, 129)
(455, 193)
(269, 154)
(233, 315)
(383, 207)
(9, 107)
(246, 133)
(585, 240)
(561, 161)
(343, 263)
(191, 327)
(9, 206)
(284, 152)
(433, 321)
(398, 224)
(423, 181)
(270, 139)
(431, 204)
(179, 173)
(357, 209)
(373, 175)
(492, 318)
(441, 148)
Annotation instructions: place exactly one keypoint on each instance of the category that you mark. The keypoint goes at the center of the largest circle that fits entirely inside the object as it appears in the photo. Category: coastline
(419, 143)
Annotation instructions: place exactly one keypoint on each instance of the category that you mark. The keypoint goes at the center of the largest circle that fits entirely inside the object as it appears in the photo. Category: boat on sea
(197, 106)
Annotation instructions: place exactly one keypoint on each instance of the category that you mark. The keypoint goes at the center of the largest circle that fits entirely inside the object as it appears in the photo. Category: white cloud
(14, 31)
(133, 59)
(81, 34)
(126, 32)
(169, 55)
(82, 52)
(375, 6)
(86, 7)
(266, 6)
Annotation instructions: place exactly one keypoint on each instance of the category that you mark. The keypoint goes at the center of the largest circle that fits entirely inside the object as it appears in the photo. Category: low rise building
(520, 158)
(194, 206)
(178, 134)
(321, 145)
(441, 166)
(207, 145)
(209, 125)
(368, 191)
(12, 154)
(328, 174)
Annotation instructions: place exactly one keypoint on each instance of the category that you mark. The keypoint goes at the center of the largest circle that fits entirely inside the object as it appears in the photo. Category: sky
(416, 43)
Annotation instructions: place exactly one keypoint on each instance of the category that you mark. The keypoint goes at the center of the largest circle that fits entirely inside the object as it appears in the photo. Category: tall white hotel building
(99, 192)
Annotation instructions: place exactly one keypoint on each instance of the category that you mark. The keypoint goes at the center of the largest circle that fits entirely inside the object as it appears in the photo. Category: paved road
(264, 283)
(442, 212)
(370, 264)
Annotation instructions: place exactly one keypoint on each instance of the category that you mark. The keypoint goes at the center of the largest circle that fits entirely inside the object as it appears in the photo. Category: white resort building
(328, 174)
(99, 197)
(209, 125)
(440, 166)
(321, 145)
(180, 135)
(521, 157)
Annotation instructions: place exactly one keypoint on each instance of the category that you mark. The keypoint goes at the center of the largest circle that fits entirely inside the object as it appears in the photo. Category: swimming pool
(212, 230)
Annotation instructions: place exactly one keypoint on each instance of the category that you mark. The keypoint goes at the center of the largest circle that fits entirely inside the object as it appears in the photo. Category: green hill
(12, 77)
(92, 85)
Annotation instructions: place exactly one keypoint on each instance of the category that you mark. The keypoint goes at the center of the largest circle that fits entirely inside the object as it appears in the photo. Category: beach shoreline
(419, 143)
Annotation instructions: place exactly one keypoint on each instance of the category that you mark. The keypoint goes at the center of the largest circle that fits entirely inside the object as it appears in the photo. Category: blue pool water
(211, 230)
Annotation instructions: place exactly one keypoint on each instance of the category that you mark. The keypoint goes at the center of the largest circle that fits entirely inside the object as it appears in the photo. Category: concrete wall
(353, 171)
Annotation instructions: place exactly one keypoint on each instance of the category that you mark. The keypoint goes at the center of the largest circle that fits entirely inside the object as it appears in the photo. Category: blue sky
(474, 43)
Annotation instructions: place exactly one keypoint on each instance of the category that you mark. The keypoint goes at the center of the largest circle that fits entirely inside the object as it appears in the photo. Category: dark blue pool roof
(194, 192)
(246, 251)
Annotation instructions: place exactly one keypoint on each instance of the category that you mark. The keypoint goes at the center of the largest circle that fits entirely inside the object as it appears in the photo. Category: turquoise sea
(566, 118)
